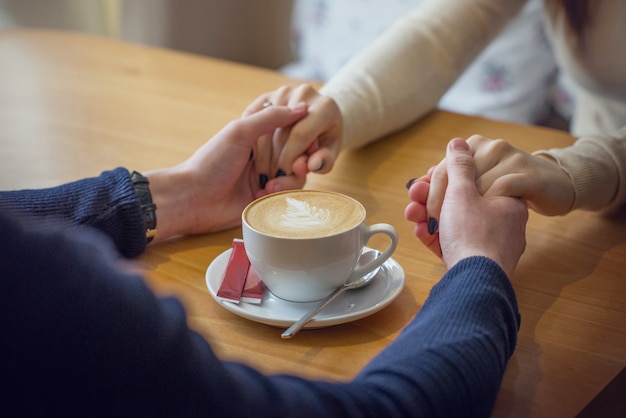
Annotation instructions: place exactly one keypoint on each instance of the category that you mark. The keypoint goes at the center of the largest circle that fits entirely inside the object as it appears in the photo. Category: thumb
(268, 120)
(461, 166)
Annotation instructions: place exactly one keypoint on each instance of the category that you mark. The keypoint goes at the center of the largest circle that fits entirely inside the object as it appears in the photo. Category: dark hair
(577, 11)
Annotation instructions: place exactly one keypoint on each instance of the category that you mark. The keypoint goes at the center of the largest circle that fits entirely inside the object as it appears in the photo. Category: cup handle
(386, 229)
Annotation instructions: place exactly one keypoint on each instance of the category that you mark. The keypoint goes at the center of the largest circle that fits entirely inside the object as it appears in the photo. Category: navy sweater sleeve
(107, 202)
(83, 337)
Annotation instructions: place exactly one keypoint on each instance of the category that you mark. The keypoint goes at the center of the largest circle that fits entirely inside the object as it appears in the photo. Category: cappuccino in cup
(305, 214)
(306, 243)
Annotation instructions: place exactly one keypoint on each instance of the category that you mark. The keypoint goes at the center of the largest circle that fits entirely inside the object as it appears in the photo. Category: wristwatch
(148, 208)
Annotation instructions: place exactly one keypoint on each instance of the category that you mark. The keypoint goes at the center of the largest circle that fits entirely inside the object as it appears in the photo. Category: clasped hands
(273, 148)
(313, 143)
(501, 170)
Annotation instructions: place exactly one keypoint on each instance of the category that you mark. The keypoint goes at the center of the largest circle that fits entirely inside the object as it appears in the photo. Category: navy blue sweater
(84, 337)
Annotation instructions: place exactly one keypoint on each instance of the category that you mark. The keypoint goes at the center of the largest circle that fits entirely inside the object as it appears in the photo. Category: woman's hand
(503, 170)
(310, 145)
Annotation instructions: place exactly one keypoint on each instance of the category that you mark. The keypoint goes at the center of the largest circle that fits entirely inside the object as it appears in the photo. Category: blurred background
(255, 32)
(514, 79)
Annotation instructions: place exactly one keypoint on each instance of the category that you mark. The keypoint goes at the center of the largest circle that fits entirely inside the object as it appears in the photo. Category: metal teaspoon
(355, 284)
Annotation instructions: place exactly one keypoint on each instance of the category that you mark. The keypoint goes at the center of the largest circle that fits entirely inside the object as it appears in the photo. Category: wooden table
(72, 106)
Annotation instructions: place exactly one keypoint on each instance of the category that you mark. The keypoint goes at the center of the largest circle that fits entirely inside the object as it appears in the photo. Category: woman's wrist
(560, 190)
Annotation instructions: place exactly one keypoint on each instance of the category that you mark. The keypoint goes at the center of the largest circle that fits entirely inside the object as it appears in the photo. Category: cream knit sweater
(402, 76)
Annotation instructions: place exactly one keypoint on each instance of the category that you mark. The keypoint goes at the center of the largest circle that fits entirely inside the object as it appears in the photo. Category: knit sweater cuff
(593, 171)
(107, 203)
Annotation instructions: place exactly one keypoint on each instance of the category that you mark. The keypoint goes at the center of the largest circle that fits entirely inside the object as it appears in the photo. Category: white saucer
(349, 306)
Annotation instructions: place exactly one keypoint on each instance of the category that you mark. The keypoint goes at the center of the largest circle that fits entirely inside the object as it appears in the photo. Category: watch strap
(148, 208)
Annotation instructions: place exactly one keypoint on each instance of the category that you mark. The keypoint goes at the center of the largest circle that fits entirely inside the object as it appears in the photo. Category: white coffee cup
(306, 243)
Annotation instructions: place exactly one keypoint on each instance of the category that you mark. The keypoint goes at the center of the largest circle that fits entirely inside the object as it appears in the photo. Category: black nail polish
(433, 225)
(280, 173)
(263, 180)
(410, 182)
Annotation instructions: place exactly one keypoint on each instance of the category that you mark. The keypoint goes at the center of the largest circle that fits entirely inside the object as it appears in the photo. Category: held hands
(311, 145)
(469, 224)
(208, 191)
(503, 170)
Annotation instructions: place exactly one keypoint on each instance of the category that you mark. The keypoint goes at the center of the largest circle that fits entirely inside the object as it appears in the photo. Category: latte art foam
(304, 214)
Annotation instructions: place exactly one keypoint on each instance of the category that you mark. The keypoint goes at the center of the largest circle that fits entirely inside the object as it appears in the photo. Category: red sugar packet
(253, 289)
(235, 274)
